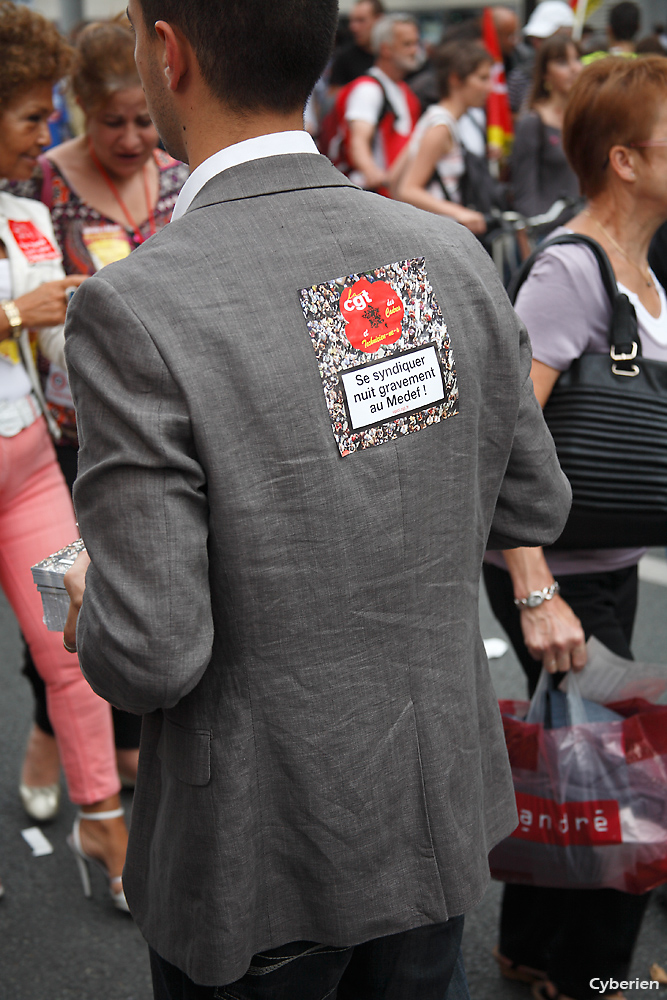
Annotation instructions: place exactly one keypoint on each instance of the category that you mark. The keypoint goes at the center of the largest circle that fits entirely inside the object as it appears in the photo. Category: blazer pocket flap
(186, 752)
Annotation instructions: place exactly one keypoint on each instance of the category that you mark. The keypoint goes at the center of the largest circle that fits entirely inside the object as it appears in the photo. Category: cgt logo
(373, 313)
(358, 302)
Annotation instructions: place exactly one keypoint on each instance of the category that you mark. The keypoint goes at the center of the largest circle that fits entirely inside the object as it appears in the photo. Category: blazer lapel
(269, 175)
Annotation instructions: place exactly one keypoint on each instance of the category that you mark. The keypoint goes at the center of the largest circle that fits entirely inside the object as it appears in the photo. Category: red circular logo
(373, 312)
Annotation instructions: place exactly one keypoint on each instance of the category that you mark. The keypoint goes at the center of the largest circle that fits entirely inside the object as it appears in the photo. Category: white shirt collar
(275, 144)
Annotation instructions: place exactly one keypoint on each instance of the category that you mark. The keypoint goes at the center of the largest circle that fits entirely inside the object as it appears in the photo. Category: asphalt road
(56, 945)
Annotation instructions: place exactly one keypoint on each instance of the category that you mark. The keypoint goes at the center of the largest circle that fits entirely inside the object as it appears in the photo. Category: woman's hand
(474, 221)
(47, 304)
(553, 634)
(75, 585)
(551, 631)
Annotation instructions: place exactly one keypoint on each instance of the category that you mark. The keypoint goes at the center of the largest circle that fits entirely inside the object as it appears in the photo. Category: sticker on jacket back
(384, 354)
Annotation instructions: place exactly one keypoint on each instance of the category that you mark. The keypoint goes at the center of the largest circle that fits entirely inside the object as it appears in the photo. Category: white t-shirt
(652, 327)
(451, 167)
(472, 130)
(365, 104)
(14, 381)
(367, 99)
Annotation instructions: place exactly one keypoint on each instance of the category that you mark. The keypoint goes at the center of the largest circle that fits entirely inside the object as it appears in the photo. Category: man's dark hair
(624, 21)
(254, 54)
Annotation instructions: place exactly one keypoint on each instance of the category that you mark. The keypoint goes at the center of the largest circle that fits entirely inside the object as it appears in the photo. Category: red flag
(500, 128)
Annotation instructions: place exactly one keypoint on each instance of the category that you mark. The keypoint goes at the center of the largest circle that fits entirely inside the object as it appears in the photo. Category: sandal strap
(111, 814)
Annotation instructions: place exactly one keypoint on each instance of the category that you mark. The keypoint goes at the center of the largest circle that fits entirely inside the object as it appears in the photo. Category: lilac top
(567, 313)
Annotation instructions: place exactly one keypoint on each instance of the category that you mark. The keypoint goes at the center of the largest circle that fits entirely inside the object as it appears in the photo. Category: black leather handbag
(608, 417)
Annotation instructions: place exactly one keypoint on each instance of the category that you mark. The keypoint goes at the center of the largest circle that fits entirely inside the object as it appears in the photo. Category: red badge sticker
(373, 312)
(33, 244)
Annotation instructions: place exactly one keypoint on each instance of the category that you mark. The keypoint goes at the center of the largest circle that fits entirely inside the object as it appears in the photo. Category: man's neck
(621, 46)
(390, 69)
(455, 104)
(208, 137)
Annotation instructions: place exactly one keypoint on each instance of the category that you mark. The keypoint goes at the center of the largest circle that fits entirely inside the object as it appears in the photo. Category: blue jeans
(421, 964)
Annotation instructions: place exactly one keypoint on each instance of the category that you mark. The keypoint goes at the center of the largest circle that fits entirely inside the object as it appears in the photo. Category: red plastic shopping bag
(591, 796)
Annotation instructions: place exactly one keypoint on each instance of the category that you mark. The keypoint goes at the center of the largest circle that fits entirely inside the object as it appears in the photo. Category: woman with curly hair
(107, 191)
(36, 515)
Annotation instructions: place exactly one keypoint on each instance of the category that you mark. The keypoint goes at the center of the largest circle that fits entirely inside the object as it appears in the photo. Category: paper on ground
(495, 648)
(36, 840)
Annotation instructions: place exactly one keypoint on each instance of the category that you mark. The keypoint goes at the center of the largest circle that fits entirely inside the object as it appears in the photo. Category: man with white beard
(380, 109)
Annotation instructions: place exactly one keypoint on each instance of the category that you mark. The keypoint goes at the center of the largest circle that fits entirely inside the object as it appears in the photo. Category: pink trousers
(36, 519)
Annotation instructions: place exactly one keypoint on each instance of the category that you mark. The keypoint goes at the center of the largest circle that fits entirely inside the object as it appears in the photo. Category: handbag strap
(624, 341)
(437, 179)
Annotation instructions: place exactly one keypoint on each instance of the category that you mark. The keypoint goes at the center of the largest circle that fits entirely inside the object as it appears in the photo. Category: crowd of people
(365, 117)
(410, 123)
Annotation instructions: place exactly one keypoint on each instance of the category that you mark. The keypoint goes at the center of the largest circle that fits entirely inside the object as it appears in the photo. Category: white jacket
(26, 275)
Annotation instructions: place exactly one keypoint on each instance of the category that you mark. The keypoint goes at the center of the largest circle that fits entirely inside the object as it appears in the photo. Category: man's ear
(175, 54)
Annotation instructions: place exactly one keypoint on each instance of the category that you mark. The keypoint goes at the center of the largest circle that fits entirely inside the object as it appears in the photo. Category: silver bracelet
(537, 597)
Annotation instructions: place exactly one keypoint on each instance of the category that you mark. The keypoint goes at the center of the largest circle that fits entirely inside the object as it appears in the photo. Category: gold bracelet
(13, 315)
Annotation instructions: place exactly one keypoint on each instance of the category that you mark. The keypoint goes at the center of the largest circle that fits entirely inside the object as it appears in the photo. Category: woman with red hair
(615, 138)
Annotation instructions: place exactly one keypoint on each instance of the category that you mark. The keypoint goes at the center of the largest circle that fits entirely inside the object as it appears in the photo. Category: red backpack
(334, 135)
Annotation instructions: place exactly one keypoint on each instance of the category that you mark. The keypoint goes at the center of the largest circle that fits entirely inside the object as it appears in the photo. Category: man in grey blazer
(304, 411)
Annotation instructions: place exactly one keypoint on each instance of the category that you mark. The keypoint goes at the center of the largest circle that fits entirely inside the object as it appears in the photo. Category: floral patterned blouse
(88, 241)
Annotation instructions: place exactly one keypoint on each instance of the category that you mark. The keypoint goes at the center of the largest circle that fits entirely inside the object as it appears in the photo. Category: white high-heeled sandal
(83, 860)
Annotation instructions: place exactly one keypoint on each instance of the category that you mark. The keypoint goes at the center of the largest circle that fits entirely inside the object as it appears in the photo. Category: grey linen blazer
(322, 755)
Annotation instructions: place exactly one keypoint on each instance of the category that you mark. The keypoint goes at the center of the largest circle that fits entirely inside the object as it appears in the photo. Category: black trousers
(414, 965)
(573, 934)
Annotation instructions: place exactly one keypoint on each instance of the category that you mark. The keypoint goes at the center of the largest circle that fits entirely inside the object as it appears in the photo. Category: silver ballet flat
(40, 802)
